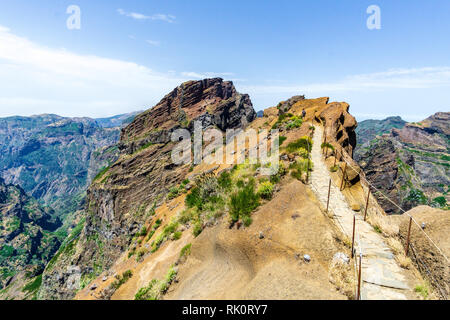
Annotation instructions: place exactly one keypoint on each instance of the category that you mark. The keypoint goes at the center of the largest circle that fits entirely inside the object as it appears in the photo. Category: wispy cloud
(37, 79)
(413, 78)
(203, 75)
(139, 16)
(153, 43)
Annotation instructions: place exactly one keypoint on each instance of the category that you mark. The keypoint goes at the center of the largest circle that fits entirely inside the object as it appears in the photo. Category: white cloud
(139, 16)
(204, 75)
(153, 43)
(36, 79)
(415, 78)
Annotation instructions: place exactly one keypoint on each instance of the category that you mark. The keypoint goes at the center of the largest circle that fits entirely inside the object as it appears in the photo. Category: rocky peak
(213, 101)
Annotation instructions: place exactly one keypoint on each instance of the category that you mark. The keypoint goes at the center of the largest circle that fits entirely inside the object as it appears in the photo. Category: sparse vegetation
(102, 172)
(422, 289)
(342, 276)
(265, 190)
(186, 250)
(244, 201)
(156, 288)
(121, 279)
(302, 143)
(281, 139)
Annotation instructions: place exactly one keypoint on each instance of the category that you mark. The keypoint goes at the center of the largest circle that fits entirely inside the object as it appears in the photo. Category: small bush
(327, 145)
(440, 202)
(148, 292)
(121, 279)
(198, 228)
(225, 181)
(295, 123)
(422, 290)
(177, 235)
(173, 193)
(247, 220)
(186, 250)
(131, 253)
(304, 142)
(281, 139)
(299, 167)
(244, 201)
(265, 190)
(143, 231)
(140, 254)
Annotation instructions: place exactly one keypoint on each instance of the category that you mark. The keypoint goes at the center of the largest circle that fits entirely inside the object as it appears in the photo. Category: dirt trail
(382, 278)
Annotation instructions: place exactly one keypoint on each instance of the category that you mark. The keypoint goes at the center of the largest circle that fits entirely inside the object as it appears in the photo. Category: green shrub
(140, 254)
(225, 181)
(417, 197)
(422, 290)
(193, 198)
(247, 220)
(281, 139)
(143, 231)
(173, 193)
(265, 190)
(295, 123)
(177, 235)
(327, 145)
(244, 201)
(440, 202)
(198, 228)
(186, 250)
(299, 167)
(148, 292)
(131, 253)
(121, 279)
(304, 142)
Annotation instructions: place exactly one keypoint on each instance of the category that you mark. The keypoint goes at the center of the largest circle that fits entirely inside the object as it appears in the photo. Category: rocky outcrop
(410, 165)
(123, 195)
(27, 241)
(339, 126)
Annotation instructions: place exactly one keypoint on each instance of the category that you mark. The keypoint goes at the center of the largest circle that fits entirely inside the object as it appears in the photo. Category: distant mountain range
(47, 163)
(409, 162)
(51, 156)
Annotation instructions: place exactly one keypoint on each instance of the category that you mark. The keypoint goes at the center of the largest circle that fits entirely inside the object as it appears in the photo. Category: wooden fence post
(353, 236)
(329, 190)
(367, 203)
(343, 176)
(409, 234)
(358, 296)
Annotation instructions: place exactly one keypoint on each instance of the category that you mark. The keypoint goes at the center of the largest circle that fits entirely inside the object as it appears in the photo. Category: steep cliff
(123, 195)
(27, 241)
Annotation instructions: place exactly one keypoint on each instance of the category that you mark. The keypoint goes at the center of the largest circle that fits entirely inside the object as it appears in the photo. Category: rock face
(124, 195)
(27, 241)
(410, 165)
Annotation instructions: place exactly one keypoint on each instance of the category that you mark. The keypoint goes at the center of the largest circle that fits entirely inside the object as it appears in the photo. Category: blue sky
(129, 54)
